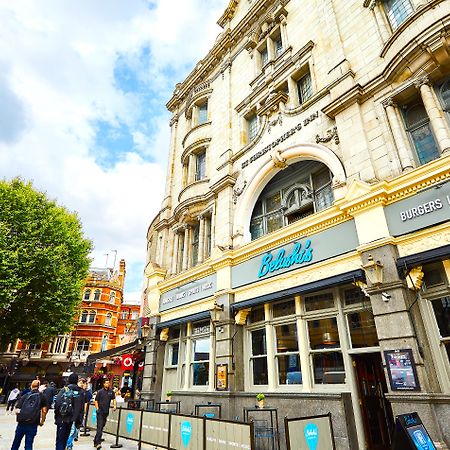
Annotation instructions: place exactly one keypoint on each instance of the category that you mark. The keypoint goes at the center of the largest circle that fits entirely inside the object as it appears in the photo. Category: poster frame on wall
(320, 416)
(222, 377)
(396, 386)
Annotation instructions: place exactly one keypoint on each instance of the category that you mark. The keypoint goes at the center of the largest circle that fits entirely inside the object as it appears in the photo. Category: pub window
(200, 365)
(325, 352)
(287, 354)
(285, 308)
(258, 358)
(441, 310)
(297, 192)
(173, 353)
(257, 314)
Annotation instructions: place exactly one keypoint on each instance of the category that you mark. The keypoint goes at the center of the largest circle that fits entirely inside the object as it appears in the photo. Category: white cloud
(57, 61)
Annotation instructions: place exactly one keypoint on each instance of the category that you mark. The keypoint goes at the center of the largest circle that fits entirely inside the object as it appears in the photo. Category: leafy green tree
(43, 264)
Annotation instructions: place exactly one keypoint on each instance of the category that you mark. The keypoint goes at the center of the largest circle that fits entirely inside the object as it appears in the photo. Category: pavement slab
(45, 439)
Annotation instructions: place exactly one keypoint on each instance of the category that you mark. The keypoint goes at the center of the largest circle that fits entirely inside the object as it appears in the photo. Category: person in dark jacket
(49, 392)
(102, 402)
(65, 417)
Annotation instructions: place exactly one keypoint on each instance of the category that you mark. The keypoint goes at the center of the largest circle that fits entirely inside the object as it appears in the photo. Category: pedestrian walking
(73, 436)
(49, 393)
(31, 410)
(12, 399)
(102, 403)
(69, 406)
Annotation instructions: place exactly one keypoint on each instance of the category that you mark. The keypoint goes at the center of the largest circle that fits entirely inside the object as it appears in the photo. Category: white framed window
(87, 294)
(60, 344)
(252, 127)
(84, 316)
(97, 294)
(83, 345)
(304, 88)
(112, 296)
(104, 343)
(91, 317)
(200, 364)
(134, 315)
(108, 319)
(203, 113)
(397, 11)
(124, 314)
(258, 357)
(200, 166)
(287, 353)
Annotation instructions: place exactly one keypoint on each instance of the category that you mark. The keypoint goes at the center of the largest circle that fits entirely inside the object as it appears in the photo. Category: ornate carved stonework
(277, 121)
(421, 82)
(238, 190)
(278, 160)
(331, 134)
(389, 102)
(414, 279)
(241, 316)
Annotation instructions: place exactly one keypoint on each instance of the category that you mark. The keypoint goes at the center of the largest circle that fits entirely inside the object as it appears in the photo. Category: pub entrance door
(375, 409)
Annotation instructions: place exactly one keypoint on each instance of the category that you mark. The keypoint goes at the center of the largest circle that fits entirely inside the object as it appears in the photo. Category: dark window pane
(433, 275)
(174, 359)
(260, 371)
(286, 338)
(257, 314)
(441, 308)
(328, 368)
(321, 301)
(259, 342)
(273, 202)
(200, 373)
(284, 308)
(289, 369)
(256, 228)
(354, 296)
(174, 333)
(323, 333)
(362, 328)
(425, 144)
(274, 222)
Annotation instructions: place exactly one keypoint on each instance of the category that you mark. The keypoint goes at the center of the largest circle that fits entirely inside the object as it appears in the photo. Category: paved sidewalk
(45, 439)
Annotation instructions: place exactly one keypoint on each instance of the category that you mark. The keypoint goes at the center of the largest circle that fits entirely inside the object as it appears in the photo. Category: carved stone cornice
(389, 102)
(272, 104)
(223, 183)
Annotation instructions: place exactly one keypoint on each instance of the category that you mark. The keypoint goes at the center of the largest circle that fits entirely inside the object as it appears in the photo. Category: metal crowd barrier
(174, 431)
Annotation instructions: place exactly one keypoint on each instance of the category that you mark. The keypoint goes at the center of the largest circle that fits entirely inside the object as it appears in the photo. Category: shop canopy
(406, 263)
(117, 351)
(336, 280)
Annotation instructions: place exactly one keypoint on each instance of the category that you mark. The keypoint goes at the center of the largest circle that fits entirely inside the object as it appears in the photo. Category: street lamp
(215, 312)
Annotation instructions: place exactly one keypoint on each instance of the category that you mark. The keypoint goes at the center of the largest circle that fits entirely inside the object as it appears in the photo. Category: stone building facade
(302, 249)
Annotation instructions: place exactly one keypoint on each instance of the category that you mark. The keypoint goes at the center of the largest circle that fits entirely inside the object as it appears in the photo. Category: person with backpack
(102, 402)
(69, 407)
(31, 410)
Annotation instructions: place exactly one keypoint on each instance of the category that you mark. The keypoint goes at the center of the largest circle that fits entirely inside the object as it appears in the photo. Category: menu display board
(402, 370)
(410, 434)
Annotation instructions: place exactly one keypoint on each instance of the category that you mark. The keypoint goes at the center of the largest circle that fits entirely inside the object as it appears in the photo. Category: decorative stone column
(201, 239)
(380, 20)
(175, 255)
(185, 263)
(437, 121)
(270, 49)
(271, 364)
(404, 154)
(283, 30)
(191, 169)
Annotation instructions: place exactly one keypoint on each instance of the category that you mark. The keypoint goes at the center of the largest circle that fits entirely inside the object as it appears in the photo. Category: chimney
(122, 273)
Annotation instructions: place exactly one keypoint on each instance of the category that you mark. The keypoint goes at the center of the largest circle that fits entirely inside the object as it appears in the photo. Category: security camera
(385, 296)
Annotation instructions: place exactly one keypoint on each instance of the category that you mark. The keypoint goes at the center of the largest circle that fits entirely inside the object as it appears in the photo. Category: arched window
(87, 294)
(104, 342)
(92, 315)
(444, 92)
(97, 294)
(83, 345)
(397, 11)
(418, 127)
(108, 319)
(112, 296)
(298, 191)
(84, 316)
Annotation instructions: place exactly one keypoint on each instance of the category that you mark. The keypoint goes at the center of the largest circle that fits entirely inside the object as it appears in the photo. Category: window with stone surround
(202, 114)
(112, 296)
(97, 294)
(252, 127)
(397, 11)
(298, 191)
(304, 88)
(419, 130)
(200, 165)
(108, 319)
(87, 294)
(83, 345)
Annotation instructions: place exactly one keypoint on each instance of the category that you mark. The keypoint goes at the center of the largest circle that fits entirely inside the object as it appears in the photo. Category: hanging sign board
(410, 434)
(402, 370)
(306, 433)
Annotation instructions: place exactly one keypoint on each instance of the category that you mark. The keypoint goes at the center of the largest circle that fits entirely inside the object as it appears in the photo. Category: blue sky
(83, 88)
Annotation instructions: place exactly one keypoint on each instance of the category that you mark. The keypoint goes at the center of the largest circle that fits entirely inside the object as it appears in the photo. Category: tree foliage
(43, 263)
